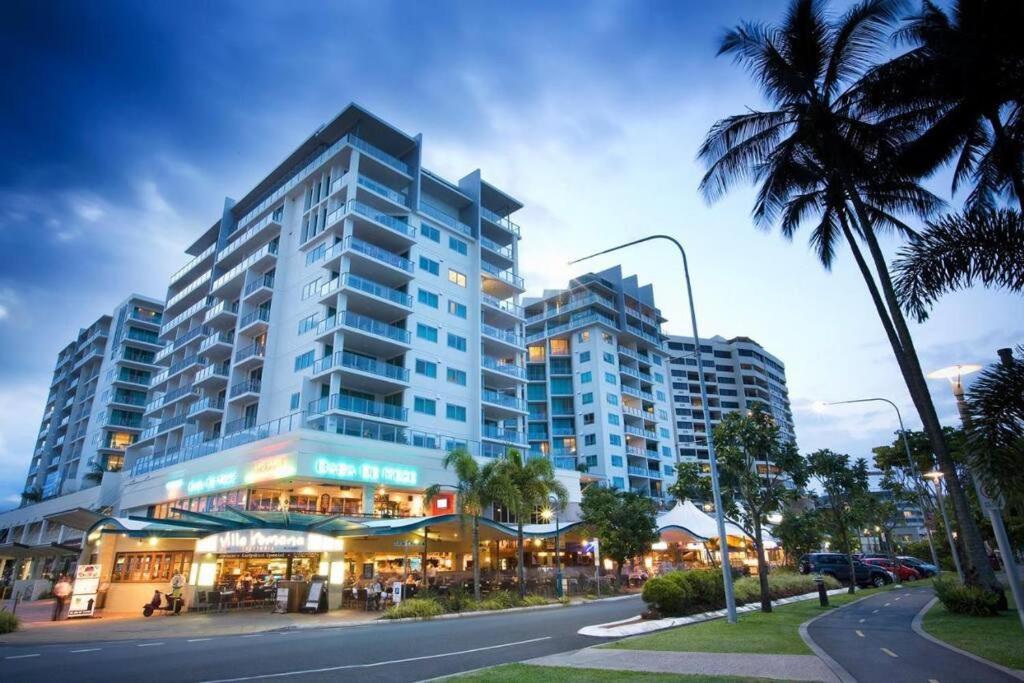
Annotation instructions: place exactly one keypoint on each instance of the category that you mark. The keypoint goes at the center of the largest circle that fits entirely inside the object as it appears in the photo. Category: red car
(903, 572)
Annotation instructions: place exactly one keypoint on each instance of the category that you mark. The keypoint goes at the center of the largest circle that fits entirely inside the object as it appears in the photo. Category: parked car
(837, 565)
(925, 569)
(903, 571)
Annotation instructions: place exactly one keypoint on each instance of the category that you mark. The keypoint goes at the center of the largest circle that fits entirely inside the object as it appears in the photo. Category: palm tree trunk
(521, 569)
(762, 568)
(980, 571)
(1006, 149)
(849, 554)
(476, 557)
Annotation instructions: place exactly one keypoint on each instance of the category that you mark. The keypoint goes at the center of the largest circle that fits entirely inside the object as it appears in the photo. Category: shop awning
(76, 518)
(17, 551)
(687, 518)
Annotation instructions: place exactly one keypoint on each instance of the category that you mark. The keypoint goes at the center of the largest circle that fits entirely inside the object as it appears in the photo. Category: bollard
(822, 593)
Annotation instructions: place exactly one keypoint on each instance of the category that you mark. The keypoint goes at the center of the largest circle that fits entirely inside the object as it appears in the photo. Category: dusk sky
(125, 124)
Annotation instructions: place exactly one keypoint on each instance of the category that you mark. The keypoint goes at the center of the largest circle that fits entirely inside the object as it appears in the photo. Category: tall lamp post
(730, 600)
(936, 477)
(992, 507)
(546, 514)
(914, 474)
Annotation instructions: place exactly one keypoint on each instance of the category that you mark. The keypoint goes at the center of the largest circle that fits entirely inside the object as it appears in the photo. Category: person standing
(61, 593)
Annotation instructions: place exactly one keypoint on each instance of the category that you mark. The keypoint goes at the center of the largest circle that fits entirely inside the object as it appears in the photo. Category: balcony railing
(237, 242)
(384, 190)
(250, 386)
(266, 281)
(508, 336)
(504, 275)
(500, 221)
(208, 403)
(445, 219)
(351, 361)
(501, 399)
(503, 366)
(193, 286)
(253, 350)
(354, 404)
(501, 434)
(183, 316)
(502, 305)
(355, 206)
(270, 248)
(373, 251)
(496, 248)
(193, 263)
(259, 315)
(371, 326)
(218, 369)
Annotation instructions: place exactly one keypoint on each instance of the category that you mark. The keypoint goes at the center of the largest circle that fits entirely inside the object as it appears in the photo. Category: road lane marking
(886, 604)
(874, 611)
(863, 620)
(197, 640)
(899, 598)
(859, 633)
(21, 656)
(933, 680)
(88, 649)
(889, 652)
(376, 664)
(148, 644)
(253, 635)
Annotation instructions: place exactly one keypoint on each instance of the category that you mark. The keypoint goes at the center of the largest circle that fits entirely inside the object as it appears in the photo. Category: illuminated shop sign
(265, 469)
(365, 471)
(268, 541)
(269, 469)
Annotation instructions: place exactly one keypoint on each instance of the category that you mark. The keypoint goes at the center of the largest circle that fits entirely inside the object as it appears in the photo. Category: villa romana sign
(268, 541)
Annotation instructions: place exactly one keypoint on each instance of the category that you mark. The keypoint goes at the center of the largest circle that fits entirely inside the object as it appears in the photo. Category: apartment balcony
(363, 333)
(641, 316)
(259, 290)
(165, 425)
(563, 431)
(632, 353)
(362, 373)
(564, 462)
(131, 379)
(371, 223)
(638, 431)
(444, 218)
(637, 374)
(342, 403)
(248, 389)
(212, 376)
(371, 261)
(187, 363)
(251, 356)
(503, 435)
(502, 223)
(379, 195)
(217, 346)
(638, 393)
(496, 309)
(652, 339)
(645, 415)
(209, 407)
(150, 321)
(229, 285)
(635, 471)
(144, 339)
(235, 250)
(502, 256)
(502, 370)
(367, 295)
(222, 314)
(182, 317)
(195, 291)
(181, 341)
(506, 340)
(503, 284)
(500, 404)
(204, 259)
(381, 160)
(255, 322)
(183, 393)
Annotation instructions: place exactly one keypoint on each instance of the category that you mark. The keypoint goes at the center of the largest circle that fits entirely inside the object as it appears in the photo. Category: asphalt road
(873, 640)
(408, 651)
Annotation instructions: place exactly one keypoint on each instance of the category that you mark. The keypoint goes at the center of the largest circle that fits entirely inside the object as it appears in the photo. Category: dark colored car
(925, 569)
(837, 565)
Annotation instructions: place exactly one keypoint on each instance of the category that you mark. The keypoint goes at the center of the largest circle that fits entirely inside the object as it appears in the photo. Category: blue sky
(126, 124)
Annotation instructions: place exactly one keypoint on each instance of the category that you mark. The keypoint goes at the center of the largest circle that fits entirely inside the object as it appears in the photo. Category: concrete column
(368, 493)
(335, 579)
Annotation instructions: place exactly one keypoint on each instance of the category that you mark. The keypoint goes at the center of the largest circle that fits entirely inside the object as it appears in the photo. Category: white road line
(900, 598)
(863, 620)
(859, 633)
(376, 664)
(889, 652)
(886, 604)
(253, 635)
(88, 649)
(197, 640)
(933, 680)
(148, 644)
(21, 656)
(874, 611)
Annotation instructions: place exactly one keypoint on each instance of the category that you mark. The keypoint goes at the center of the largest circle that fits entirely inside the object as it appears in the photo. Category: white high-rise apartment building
(94, 408)
(739, 373)
(351, 291)
(598, 390)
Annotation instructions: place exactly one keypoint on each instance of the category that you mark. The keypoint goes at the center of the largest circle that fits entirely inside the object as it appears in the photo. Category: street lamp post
(914, 474)
(936, 476)
(990, 506)
(730, 600)
(547, 514)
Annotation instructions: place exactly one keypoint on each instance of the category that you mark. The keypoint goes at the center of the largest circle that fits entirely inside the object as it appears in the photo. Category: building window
(666, 452)
(426, 368)
(305, 360)
(424, 405)
(660, 395)
(618, 483)
(586, 377)
(591, 461)
(585, 357)
(608, 358)
(457, 309)
(294, 403)
(156, 566)
(613, 400)
(607, 338)
(583, 336)
(590, 439)
(587, 398)
(430, 232)
(427, 298)
(432, 267)
(610, 378)
(458, 246)
(456, 376)
(456, 342)
(615, 439)
(426, 332)
(616, 461)
(454, 412)
(613, 419)
(588, 418)
(456, 277)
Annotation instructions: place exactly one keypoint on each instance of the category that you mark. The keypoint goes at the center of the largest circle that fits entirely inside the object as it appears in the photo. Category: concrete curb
(917, 625)
(634, 626)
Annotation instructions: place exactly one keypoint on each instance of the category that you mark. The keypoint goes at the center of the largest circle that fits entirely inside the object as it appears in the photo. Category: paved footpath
(873, 641)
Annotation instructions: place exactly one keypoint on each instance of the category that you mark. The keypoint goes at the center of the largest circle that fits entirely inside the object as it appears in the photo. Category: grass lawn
(525, 673)
(996, 638)
(755, 632)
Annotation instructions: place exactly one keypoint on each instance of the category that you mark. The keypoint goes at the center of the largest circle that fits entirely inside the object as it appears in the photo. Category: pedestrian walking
(61, 593)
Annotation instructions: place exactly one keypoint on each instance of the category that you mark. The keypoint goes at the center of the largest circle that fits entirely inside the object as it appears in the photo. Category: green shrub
(8, 622)
(664, 595)
(703, 589)
(970, 600)
(535, 601)
(423, 608)
(458, 600)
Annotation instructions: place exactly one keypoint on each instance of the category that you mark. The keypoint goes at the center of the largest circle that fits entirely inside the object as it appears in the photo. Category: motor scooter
(173, 605)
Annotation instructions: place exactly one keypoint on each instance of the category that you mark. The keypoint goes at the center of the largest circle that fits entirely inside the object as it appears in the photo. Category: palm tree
(957, 250)
(523, 486)
(473, 496)
(817, 155)
(962, 81)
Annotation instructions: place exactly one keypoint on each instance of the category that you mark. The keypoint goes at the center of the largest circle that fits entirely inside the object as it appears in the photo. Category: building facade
(598, 387)
(739, 372)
